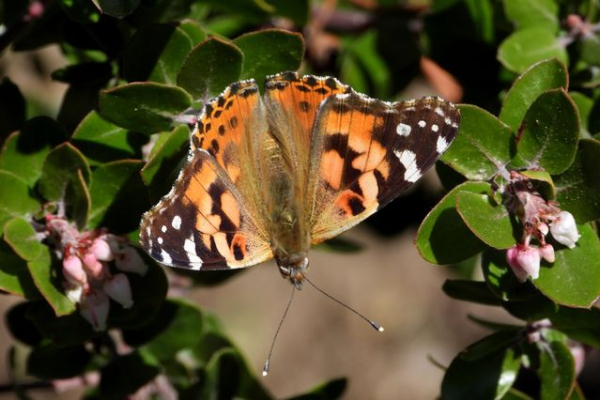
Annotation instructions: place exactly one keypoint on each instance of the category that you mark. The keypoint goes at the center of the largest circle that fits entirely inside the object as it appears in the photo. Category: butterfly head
(293, 266)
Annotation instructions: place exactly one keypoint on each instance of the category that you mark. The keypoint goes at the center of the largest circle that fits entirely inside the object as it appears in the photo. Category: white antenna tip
(265, 373)
(375, 325)
(266, 369)
(380, 329)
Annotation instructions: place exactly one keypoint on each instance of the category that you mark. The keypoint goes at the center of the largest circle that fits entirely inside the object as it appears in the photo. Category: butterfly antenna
(374, 324)
(287, 308)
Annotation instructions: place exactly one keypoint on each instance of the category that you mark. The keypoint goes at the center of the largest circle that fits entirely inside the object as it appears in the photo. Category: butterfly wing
(212, 218)
(365, 152)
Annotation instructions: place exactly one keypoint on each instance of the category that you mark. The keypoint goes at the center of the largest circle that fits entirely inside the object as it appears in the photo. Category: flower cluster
(86, 258)
(538, 218)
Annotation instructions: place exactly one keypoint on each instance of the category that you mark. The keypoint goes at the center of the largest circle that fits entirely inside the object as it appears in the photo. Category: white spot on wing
(166, 258)
(435, 128)
(176, 223)
(189, 245)
(403, 129)
(409, 160)
(163, 228)
(440, 112)
(422, 123)
(160, 240)
(448, 120)
(441, 145)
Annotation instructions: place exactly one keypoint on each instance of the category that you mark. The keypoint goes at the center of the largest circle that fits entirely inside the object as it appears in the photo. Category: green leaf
(584, 106)
(117, 8)
(101, 141)
(24, 152)
(16, 199)
(80, 11)
(542, 182)
(533, 13)
(556, 372)
(210, 67)
(467, 290)
(144, 107)
(166, 160)
(67, 330)
(487, 377)
(330, 390)
(270, 51)
(574, 278)
(578, 188)
(177, 326)
(443, 238)
(298, 11)
(483, 146)
(194, 30)
(12, 112)
(21, 237)
(528, 46)
(579, 324)
(549, 139)
(115, 193)
(490, 222)
(228, 377)
(48, 361)
(540, 77)
(494, 343)
(124, 375)
(20, 327)
(14, 275)
(78, 201)
(60, 170)
(250, 10)
(161, 61)
(589, 48)
(44, 271)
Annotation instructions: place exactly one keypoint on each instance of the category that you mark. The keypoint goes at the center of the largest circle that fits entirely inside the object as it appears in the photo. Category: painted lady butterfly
(270, 176)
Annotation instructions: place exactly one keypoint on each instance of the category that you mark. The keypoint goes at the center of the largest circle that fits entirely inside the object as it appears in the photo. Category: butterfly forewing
(365, 152)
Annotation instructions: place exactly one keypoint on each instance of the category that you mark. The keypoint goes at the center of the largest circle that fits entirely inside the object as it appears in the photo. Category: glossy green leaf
(533, 13)
(117, 8)
(270, 51)
(556, 372)
(528, 46)
(483, 146)
(589, 46)
(66, 330)
(467, 290)
(144, 107)
(331, 390)
(176, 327)
(443, 237)
(16, 198)
(78, 201)
(584, 105)
(12, 112)
(24, 152)
(487, 377)
(101, 141)
(60, 170)
(193, 29)
(166, 159)
(542, 182)
(578, 188)
(115, 193)
(21, 237)
(14, 275)
(579, 324)
(210, 67)
(48, 361)
(494, 343)
(540, 77)
(227, 376)
(574, 278)
(490, 222)
(44, 271)
(549, 139)
(159, 62)
(125, 374)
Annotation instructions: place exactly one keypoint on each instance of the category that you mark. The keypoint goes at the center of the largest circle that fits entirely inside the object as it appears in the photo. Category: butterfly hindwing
(366, 151)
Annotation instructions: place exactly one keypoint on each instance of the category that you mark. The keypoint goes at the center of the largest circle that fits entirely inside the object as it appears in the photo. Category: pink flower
(564, 229)
(73, 270)
(118, 289)
(94, 267)
(101, 250)
(524, 261)
(128, 260)
(547, 253)
(94, 308)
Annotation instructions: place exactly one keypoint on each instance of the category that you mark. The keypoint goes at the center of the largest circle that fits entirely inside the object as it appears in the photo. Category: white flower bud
(94, 308)
(564, 229)
(101, 250)
(118, 289)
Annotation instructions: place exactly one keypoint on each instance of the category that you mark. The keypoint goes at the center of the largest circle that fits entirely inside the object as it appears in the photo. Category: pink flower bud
(529, 259)
(94, 267)
(564, 229)
(73, 270)
(511, 259)
(547, 253)
(128, 260)
(543, 228)
(94, 309)
(118, 289)
(101, 250)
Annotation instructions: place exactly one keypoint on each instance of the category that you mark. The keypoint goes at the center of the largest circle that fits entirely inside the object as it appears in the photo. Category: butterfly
(269, 176)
